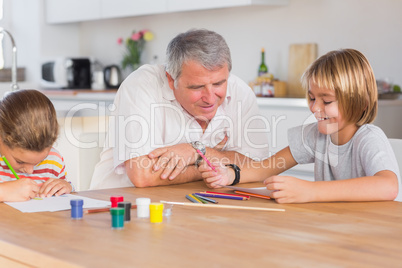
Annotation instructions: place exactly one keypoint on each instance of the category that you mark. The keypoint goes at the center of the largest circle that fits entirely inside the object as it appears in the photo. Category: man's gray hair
(203, 46)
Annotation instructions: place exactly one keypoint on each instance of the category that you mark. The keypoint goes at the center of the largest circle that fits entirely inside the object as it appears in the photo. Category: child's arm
(251, 171)
(19, 190)
(382, 186)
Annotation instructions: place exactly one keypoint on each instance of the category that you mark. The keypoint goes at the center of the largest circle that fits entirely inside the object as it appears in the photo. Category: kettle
(112, 76)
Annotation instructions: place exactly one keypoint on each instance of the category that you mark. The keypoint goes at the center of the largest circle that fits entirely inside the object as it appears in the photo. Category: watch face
(198, 146)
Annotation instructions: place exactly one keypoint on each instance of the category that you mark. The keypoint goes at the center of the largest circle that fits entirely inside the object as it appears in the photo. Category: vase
(135, 66)
(129, 69)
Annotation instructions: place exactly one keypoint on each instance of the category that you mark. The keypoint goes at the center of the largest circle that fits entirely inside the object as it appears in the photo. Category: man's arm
(140, 172)
(175, 165)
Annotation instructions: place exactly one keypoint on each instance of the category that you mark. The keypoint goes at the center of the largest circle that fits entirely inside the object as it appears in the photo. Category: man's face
(200, 91)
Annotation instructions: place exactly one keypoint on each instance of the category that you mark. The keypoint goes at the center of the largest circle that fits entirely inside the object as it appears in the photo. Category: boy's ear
(170, 80)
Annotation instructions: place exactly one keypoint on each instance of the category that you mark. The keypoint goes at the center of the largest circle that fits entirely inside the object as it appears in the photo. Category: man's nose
(208, 94)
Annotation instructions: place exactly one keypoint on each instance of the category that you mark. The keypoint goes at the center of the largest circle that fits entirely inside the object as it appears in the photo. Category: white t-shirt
(148, 116)
(367, 153)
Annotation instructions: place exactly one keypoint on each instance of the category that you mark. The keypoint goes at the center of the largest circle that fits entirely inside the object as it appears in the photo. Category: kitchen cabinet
(61, 11)
(185, 5)
(280, 115)
(80, 143)
(66, 11)
(83, 119)
(128, 8)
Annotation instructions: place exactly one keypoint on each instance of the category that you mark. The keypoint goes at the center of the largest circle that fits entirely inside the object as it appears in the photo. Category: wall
(35, 40)
(370, 26)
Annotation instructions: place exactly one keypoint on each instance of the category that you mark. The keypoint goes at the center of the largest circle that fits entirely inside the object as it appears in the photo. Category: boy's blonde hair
(28, 121)
(349, 74)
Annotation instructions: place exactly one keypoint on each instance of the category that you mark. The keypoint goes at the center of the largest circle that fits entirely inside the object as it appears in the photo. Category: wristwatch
(197, 145)
(237, 173)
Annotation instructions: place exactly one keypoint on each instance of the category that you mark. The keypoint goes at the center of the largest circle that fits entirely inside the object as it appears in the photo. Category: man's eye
(219, 84)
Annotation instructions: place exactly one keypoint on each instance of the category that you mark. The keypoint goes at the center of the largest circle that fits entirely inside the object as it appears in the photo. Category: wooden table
(366, 234)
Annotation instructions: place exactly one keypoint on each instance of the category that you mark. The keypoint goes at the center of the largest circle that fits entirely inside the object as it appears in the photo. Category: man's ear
(170, 80)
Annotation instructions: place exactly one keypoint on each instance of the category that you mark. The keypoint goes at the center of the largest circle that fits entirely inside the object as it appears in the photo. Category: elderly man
(166, 116)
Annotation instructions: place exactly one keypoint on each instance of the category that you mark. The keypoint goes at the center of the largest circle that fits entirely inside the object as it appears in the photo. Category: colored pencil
(224, 196)
(221, 206)
(192, 199)
(254, 195)
(10, 167)
(206, 160)
(241, 195)
(206, 198)
(96, 210)
(198, 199)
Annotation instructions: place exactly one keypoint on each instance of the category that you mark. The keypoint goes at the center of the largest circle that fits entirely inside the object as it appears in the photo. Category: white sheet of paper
(259, 190)
(56, 203)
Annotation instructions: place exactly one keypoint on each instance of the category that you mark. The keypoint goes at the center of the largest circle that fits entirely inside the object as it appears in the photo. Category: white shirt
(365, 154)
(148, 116)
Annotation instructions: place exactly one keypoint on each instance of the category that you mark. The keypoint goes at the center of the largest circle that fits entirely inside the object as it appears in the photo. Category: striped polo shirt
(51, 167)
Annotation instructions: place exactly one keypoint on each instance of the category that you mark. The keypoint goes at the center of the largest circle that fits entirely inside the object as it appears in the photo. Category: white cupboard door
(62, 11)
(129, 8)
(186, 5)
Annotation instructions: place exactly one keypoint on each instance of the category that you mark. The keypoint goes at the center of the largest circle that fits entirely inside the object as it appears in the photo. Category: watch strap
(198, 161)
(237, 173)
(197, 145)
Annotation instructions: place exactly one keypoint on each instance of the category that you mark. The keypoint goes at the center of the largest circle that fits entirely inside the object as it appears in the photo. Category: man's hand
(173, 159)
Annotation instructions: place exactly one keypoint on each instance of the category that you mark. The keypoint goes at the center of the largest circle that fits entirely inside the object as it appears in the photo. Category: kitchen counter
(81, 102)
(302, 102)
(80, 94)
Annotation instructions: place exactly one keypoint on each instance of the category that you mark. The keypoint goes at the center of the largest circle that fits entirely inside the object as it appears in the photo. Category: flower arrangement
(134, 45)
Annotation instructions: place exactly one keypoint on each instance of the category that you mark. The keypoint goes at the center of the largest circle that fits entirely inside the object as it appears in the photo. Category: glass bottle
(263, 69)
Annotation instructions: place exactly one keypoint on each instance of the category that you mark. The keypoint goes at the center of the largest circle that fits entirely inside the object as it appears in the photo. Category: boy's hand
(222, 176)
(290, 189)
(55, 187)
(19, 190)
